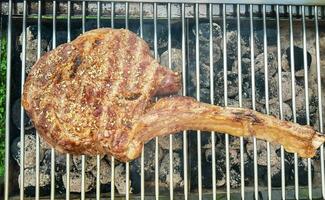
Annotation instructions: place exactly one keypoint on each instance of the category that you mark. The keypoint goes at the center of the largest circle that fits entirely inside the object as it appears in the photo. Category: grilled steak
(94, 95)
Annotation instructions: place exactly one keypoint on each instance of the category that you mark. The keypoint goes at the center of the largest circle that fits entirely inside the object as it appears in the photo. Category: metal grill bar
(240, 90)
(83, 157)
(8, 84)
(98, 156)
(127, 164)
(267, 106)
(52, 195)
(319, 95)
(22, 113)
(39, 25)
(306, 92)
(214, 193)
(280, 96)
(67, 190)
(253, 96)
(171, 173)
(156, 139)
(112, 158)
(142, 152)
(225, 78)
(293, 96)
(184, 94)
(197, 70)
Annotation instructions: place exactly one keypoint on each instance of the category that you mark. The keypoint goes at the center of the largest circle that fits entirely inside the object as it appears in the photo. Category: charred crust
(132, 96)
(97, 42)
(239, 115)
(76, 63)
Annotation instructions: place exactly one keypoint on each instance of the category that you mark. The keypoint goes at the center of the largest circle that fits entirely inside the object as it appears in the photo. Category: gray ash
(75, 181)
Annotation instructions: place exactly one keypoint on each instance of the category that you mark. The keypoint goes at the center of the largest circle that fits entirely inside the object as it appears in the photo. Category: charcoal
(164, 170)
(105, 172)
(148, 35)
(232, 52)
(232, 79)
(176, 60)
(32, 45)
(15, 115)
(90, 162)
(135, 175)
(120, 179)
(286, 86)
(75, 181)
(298, 58)
(30, 151)
(275, 109)
(303, 171)
(177, 142)
(272, 64)
(60, 162)
(149, 160)
(220, 164)
(262, 152)
(204, 31)
(30, 181)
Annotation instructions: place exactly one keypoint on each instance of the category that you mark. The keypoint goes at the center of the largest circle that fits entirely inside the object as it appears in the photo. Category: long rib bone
(174, 114)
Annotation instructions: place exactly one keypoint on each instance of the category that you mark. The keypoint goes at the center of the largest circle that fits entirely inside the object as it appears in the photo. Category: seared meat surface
(94, 95)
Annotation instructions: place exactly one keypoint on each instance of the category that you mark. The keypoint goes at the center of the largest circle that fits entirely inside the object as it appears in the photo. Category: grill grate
(190, 14)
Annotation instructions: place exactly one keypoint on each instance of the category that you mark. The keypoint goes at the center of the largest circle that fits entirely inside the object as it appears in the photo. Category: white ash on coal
(30, 181)
(176, 59)
(90, 162)
(105, 172)
(120, 179)
(177, 142)
(75, 181)
(177, 174)
(31, 46)
(30, 151)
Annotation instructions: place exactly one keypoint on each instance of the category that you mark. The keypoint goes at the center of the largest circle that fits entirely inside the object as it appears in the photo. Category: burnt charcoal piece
(220, 166)
(120, 179)
(177, 142)
(32, 45)
(91, 162)
(148, 35)
(272, 65)
(30, 151)
(164, 172)
(30, 181)
(15, 115)
(204, 31)
(298, 58)
(232, 53)
(232, 79)
(303, 171)
(176, 60)
(286, 86)
(75, 181)
(262, 152)
(105, 172)
(60, 162)
(135, 175)
(149, 160)
(15, 150)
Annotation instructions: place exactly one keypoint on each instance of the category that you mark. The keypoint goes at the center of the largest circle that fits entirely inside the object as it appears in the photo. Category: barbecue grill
(231, 53)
